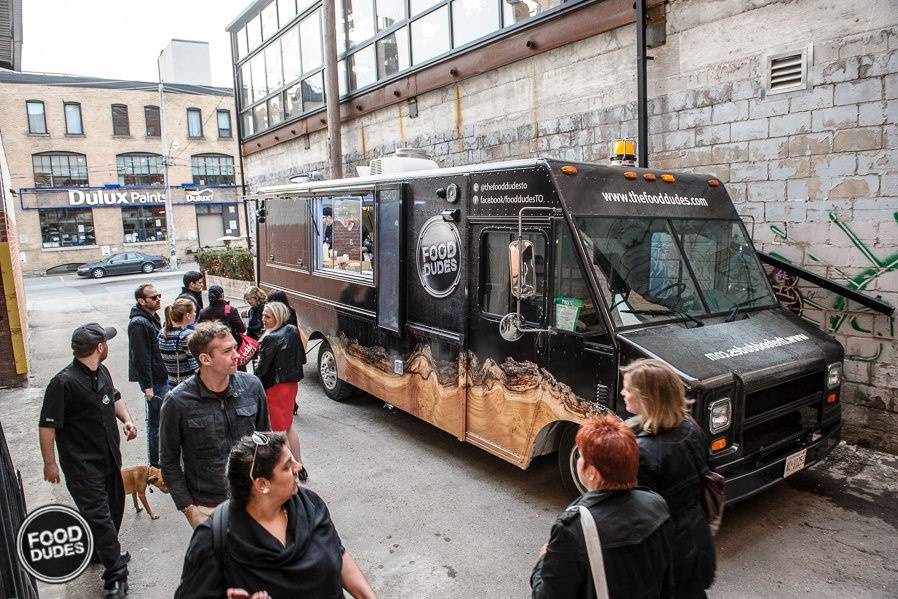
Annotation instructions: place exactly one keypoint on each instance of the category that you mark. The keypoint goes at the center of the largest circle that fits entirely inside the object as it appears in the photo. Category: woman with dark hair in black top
(278, 538)
(280, 296)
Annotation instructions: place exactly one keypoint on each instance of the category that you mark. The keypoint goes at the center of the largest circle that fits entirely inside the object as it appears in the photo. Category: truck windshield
(652, 270)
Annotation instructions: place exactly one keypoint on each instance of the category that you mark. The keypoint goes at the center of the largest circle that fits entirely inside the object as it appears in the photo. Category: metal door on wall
(210, 229)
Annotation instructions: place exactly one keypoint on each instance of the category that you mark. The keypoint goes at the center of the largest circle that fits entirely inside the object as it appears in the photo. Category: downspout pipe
(642, 142)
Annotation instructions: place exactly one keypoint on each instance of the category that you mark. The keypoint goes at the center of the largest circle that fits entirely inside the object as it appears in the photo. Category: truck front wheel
(334, 387)
(567, 462)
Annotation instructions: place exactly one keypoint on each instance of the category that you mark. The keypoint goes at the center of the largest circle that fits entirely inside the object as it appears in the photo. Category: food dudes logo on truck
(438, 257)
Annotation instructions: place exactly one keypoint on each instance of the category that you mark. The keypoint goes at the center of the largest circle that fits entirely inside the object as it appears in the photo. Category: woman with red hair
(634, 527)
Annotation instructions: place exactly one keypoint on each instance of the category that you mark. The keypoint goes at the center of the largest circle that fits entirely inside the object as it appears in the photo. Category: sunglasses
(153, 297)
(258, 439)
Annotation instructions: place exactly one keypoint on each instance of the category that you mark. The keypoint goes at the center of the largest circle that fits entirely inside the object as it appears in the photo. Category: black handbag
(713, 490)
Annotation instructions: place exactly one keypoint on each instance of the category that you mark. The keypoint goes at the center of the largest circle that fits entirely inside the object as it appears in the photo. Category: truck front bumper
(743, 481)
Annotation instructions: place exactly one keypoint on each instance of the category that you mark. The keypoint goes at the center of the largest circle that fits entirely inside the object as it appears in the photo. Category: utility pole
(332, 90)
(169, 210)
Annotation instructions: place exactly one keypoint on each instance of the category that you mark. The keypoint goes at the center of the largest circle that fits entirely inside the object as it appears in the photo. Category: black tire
(567, 462)
(334, 387)
(98, 273)
(148, 267)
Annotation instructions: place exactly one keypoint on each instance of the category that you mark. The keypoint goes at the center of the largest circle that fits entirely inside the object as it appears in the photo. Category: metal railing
(15, 582)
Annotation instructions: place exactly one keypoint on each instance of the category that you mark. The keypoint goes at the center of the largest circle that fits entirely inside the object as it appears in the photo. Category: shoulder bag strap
(221, 519)
(594, 551)
(178, 356)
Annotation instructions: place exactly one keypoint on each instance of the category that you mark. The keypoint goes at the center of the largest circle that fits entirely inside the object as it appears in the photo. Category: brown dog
(137, 479)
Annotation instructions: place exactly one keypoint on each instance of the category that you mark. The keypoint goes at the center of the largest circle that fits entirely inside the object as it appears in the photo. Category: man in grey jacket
(202, 419)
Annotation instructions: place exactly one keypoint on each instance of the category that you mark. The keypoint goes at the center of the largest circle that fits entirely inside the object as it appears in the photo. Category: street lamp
(169, 210)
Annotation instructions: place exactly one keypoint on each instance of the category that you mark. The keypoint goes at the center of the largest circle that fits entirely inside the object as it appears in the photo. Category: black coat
(254, 325)
(222, 311)
(145, 364)
(195, 296)
(308, 566)
(281, 357)
(636, 534)
(671, 463)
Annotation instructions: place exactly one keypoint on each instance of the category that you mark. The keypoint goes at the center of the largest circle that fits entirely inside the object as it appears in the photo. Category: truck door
(504, 376)
(581, 353)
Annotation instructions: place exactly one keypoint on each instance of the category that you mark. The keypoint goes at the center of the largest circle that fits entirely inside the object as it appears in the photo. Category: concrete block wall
(814, 172)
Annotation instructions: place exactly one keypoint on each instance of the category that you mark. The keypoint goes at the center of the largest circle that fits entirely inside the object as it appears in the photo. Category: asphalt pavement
(426, 516)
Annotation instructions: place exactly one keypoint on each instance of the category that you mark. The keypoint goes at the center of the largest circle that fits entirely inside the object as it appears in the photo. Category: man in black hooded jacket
(193, 290)
(145, 364)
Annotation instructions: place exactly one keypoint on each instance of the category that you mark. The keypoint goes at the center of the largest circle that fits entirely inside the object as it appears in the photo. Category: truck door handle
(541, 342)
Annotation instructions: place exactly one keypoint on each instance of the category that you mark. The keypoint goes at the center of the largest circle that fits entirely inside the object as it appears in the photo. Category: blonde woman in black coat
(280, 360)
(673, 457)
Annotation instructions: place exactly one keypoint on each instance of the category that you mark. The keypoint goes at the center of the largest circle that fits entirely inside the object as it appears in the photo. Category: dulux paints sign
(113, 197)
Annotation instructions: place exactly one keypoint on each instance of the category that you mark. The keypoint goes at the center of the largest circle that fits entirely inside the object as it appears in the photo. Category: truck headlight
(721, 414)
(833, 375)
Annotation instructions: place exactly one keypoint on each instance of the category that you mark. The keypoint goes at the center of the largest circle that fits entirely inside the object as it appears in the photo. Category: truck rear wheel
(567, 462)
(334, 387)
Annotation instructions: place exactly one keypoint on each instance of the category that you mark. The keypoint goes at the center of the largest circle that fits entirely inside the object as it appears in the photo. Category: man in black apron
(79, 413)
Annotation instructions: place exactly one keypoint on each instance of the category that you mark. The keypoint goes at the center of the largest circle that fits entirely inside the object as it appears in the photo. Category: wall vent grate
(788, 71)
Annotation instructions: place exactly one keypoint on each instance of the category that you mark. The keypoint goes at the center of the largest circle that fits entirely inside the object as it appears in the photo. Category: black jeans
(101, 501)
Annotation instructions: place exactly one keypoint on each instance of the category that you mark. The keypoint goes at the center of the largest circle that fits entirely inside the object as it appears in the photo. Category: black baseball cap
(86, 338)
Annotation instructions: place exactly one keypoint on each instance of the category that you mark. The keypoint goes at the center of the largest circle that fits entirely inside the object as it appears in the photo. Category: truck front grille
(767, 401)
(778, 417)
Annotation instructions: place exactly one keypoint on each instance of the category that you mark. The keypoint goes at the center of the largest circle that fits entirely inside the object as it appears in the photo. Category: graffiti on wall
(798, 300)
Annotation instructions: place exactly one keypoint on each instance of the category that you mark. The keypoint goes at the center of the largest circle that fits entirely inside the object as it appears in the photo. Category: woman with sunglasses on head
(276, 538)
(673, 458)
(279, 366)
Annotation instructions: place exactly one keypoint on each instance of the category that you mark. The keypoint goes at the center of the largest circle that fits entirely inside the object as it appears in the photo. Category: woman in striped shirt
(179, 362)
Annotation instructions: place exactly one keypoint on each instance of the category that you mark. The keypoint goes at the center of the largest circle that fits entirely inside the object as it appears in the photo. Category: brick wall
(814, 173)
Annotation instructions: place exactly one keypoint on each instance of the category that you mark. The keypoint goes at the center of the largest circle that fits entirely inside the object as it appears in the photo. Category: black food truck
(498, 302)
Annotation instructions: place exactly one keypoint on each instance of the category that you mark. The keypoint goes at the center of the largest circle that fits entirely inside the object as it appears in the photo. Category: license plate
(795, 462)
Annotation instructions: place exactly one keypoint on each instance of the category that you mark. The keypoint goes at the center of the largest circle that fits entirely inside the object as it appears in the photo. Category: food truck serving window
(657, 269)
(344, 231)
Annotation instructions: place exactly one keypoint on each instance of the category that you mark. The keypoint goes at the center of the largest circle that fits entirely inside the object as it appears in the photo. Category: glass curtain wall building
(278, 47)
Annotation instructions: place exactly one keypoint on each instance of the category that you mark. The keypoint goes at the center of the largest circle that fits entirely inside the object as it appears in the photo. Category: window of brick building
(194, 122)
(67, 227)
(224, 124)
(120, 124)
(154, 125)
(142, 224)
(73, 123)
(212, 169)
(37, 116)
(139, 168)
(59, 169)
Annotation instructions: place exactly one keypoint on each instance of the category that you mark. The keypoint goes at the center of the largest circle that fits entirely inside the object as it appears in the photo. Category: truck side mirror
(521, 269)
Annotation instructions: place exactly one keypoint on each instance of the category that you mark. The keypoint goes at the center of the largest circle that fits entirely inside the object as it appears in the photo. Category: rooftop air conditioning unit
(404, 160)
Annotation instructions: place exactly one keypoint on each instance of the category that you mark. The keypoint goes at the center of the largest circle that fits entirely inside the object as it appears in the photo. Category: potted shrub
(230, 268)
